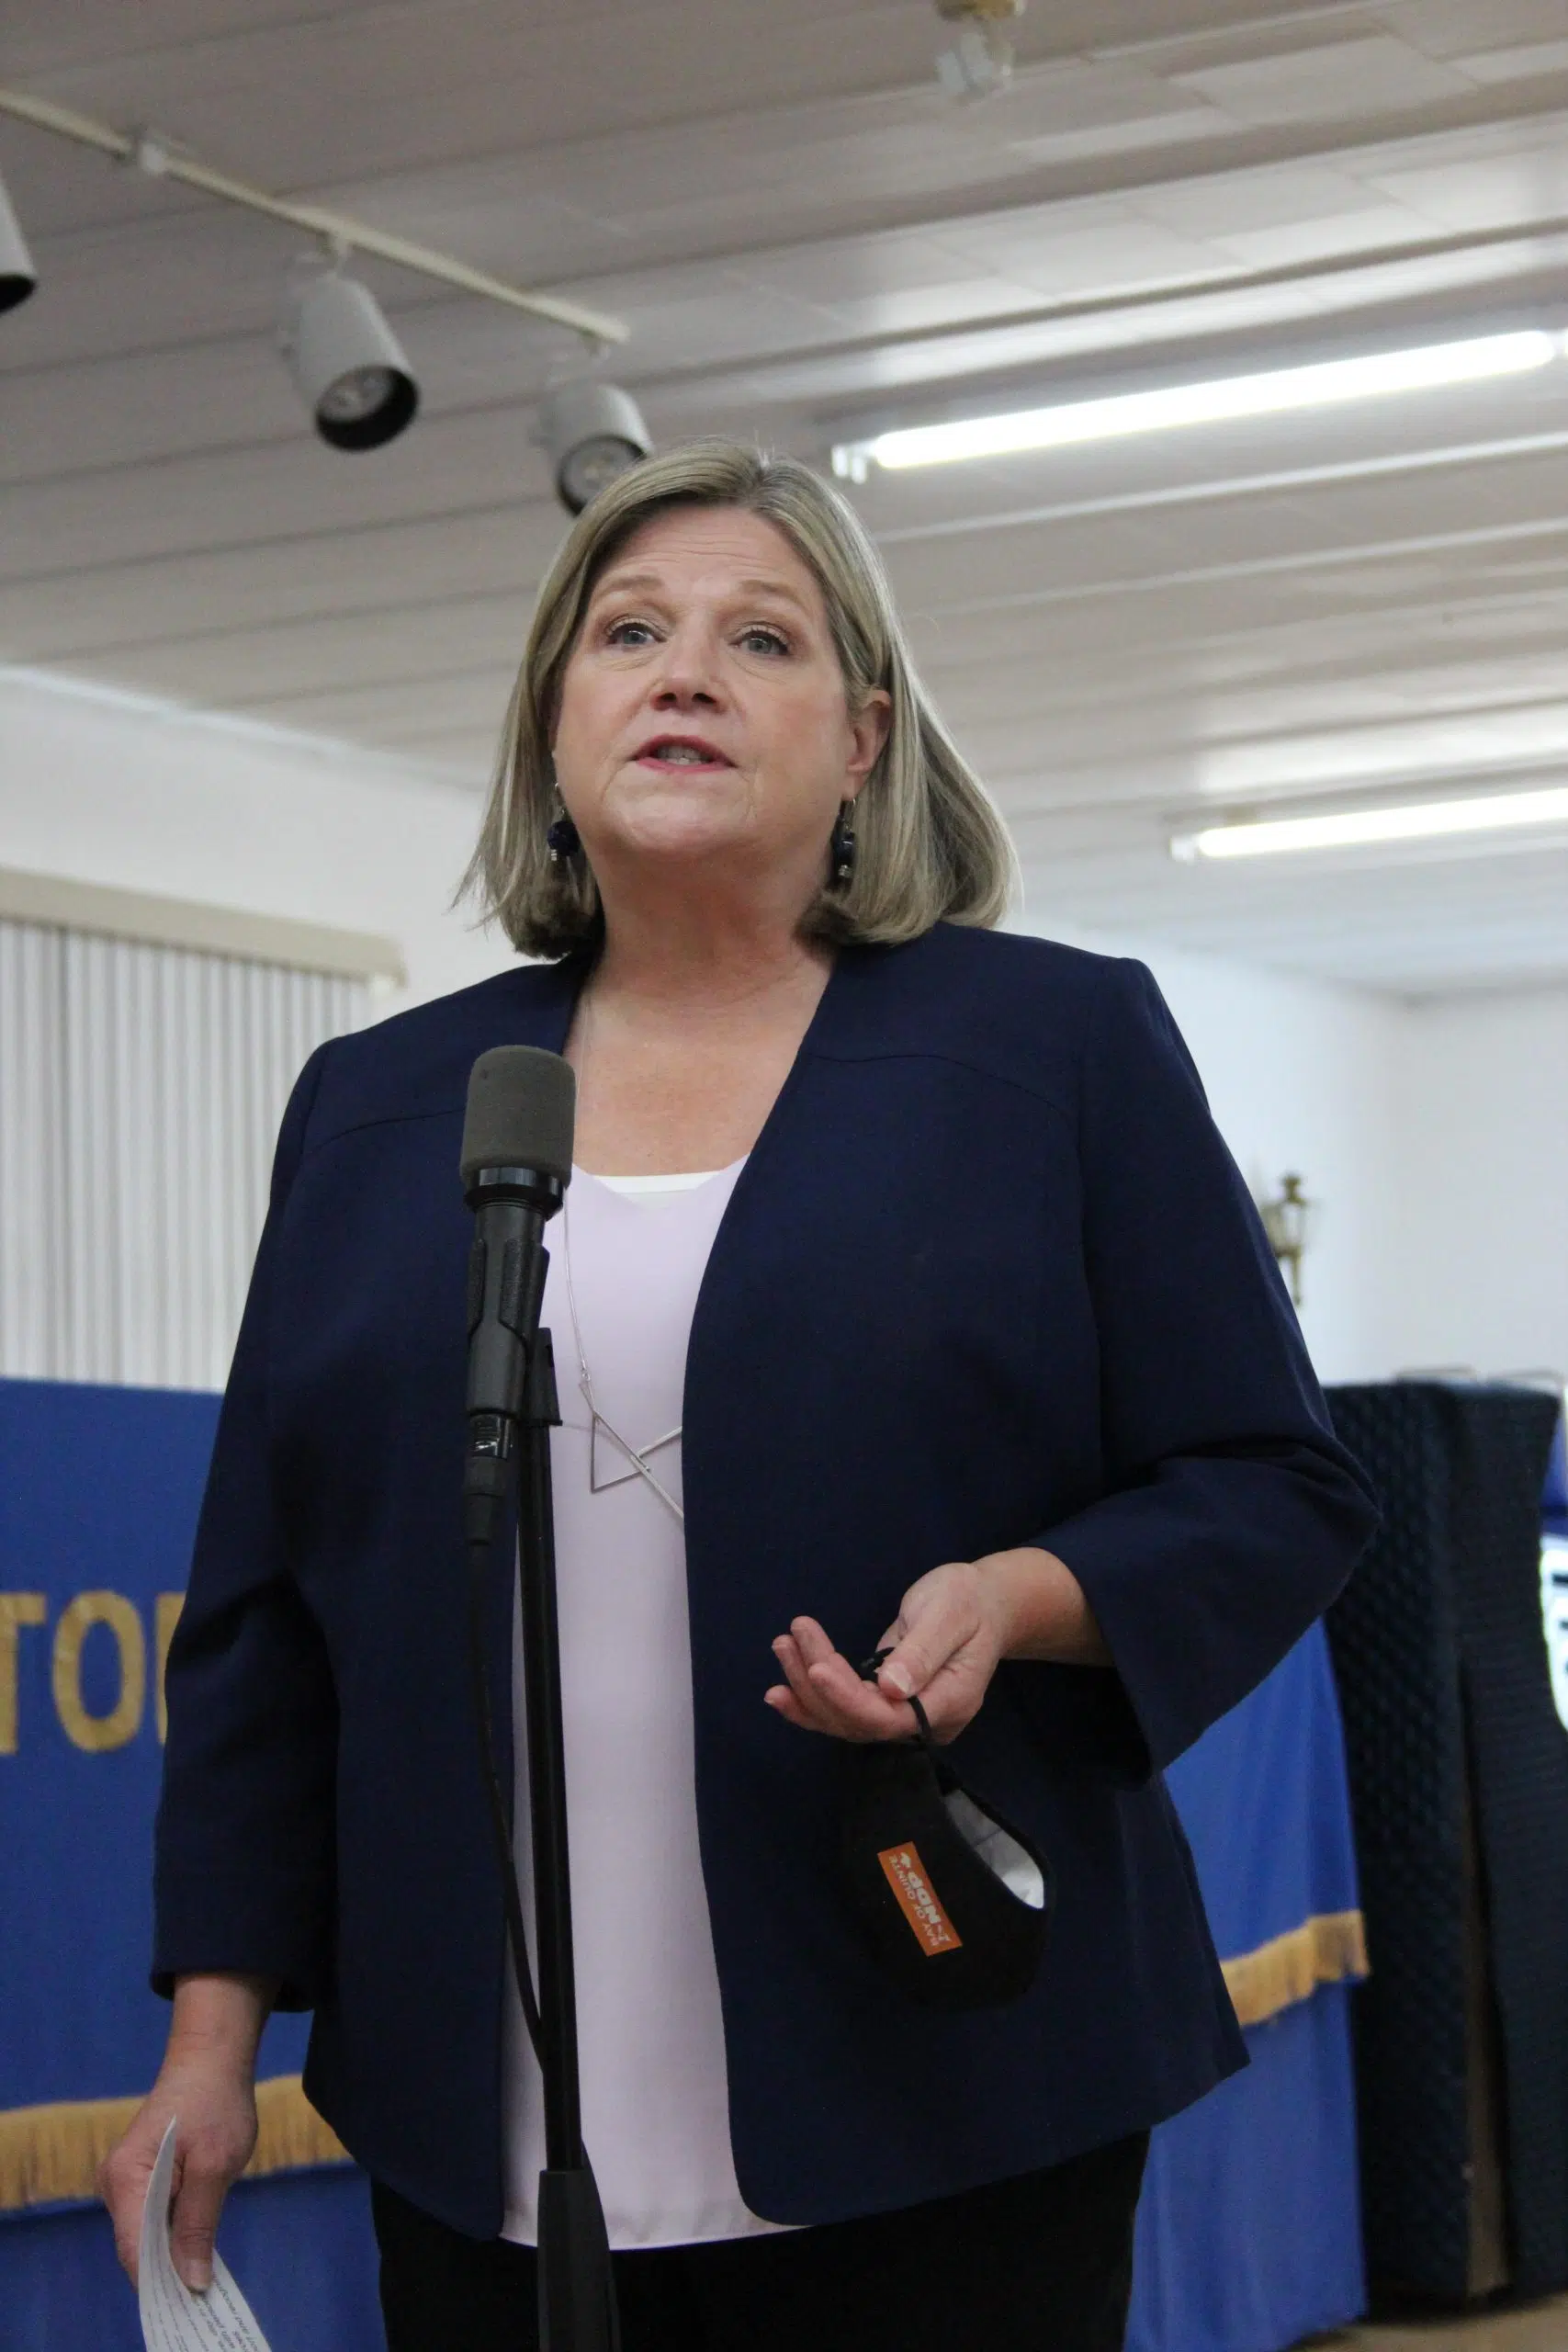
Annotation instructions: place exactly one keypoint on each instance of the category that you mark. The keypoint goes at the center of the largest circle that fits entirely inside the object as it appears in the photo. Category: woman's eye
(764, 641)
(628, 632)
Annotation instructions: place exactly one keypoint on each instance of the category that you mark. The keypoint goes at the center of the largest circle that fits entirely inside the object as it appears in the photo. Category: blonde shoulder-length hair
(930, 846)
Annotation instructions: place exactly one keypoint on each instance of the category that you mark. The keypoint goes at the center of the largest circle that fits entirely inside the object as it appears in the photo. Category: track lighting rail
(144, 151)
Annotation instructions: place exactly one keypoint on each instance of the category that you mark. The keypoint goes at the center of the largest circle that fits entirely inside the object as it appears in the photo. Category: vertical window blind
(140, 1089)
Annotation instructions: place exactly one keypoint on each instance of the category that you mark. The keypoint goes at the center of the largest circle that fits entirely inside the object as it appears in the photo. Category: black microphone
(516, 1165)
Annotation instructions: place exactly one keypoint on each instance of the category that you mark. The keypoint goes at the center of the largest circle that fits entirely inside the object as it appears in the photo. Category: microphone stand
(512, 1407)
(577, 2295)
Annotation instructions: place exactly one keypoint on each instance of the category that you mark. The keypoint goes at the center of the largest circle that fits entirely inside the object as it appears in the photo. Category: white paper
(172, 2319)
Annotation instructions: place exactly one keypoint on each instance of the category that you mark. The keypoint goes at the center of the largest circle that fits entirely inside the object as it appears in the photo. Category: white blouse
(655, 2092)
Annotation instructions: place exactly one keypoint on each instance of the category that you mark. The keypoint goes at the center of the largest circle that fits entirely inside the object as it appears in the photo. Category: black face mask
(952, 1900)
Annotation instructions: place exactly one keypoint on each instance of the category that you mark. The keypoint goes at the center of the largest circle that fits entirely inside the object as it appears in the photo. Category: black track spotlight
(593, 432)
(17, 276)
(348, 364)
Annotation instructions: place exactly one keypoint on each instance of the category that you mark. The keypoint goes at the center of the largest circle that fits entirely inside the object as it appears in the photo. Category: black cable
(500, 1812)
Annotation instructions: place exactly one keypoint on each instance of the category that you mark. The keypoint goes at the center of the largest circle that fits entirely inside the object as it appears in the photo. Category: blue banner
(1265, 1800)
(1249, 2233)
(99, 1490)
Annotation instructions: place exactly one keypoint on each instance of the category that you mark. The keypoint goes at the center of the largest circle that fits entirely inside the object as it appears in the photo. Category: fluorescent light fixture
(1411, 821)
(1324, 384)
(1470, 746)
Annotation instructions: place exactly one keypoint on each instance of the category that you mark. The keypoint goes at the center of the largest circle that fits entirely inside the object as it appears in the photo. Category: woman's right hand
(208, 2080)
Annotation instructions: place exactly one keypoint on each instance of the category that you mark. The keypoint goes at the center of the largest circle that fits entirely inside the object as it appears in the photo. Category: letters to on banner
(108, 1710)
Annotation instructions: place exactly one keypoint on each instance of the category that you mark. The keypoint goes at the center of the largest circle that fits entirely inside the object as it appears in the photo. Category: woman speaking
(904, 1298)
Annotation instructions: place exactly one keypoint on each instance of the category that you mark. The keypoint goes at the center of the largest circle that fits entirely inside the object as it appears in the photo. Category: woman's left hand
(953, 1627)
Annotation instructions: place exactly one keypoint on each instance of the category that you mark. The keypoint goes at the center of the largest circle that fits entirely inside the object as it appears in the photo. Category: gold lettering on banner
(166, 1616)
(123, 1721)
(16, 1609)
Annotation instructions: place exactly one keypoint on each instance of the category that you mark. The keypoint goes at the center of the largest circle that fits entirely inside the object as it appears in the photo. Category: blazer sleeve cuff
(1152, 1723)
(250, 1924)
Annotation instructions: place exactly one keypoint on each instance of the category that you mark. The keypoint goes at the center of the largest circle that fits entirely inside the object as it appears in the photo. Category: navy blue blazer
(989, 1277)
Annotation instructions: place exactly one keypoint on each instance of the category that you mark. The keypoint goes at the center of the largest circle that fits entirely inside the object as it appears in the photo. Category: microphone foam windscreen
(522, 1107)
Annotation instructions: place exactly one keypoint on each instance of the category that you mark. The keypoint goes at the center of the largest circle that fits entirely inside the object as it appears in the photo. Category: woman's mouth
(668, 751)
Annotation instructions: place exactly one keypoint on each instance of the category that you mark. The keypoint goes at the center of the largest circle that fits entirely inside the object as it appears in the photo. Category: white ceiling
(805, 236)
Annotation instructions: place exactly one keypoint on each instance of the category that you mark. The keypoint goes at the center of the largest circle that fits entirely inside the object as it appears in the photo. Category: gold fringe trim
(50, 2154)
(1325, 1950)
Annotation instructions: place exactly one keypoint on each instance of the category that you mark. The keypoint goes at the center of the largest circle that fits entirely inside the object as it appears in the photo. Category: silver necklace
(636, 1458)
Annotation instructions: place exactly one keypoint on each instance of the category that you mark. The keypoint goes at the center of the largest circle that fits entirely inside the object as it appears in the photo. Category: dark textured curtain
(1459, 1783)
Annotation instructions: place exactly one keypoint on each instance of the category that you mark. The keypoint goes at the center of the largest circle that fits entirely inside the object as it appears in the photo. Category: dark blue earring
(842, 848)
(563, 840)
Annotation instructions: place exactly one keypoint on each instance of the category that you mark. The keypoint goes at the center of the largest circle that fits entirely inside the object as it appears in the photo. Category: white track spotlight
(17, 276)
(593, 433)
(348, 364)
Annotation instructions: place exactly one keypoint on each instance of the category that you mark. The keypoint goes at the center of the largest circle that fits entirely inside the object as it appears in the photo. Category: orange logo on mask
(905, 1874)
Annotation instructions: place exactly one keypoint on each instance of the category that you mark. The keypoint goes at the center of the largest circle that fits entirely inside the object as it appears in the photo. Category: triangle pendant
(634, 1461)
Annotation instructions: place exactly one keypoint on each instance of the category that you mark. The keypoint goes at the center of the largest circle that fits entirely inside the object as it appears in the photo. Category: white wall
(1480, 1246)
(111, 789)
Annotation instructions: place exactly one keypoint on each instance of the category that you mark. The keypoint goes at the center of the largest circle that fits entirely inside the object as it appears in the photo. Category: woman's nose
(688, 674)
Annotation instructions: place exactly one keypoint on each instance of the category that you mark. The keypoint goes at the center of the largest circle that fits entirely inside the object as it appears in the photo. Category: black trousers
(1039, 2264)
